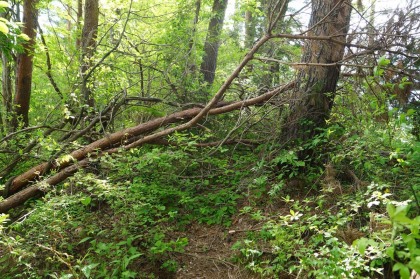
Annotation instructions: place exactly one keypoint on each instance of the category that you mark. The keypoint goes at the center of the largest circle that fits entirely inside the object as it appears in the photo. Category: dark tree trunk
(211, 46)
(6, 92)
(24, 72)
(89, 34)
(313, 98)
(79, 18)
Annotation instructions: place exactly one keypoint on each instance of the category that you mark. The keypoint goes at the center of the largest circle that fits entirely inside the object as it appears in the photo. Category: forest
(210, 139)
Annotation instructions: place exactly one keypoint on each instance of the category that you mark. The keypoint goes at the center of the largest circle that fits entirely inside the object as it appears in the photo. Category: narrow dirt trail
(209, 253)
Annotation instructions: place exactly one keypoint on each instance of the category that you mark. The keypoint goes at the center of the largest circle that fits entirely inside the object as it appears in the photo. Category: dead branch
(100, 148)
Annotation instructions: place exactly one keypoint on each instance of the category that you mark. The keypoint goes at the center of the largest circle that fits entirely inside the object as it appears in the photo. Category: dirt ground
(209, 254)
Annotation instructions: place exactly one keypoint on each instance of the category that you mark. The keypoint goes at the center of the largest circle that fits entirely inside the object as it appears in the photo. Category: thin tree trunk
(6, 91)
(313, 98)
(250, 31)
(24, 72)
(194, 28)
(211, 46)
(79, 18)
(89, 34)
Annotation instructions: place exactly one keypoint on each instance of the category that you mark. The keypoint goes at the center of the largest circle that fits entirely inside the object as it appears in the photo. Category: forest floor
(209, 254)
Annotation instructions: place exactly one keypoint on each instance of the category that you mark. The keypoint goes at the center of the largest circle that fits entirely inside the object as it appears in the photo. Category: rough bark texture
(211, 46)
(314, 95)
(89, 34)
(24, 73)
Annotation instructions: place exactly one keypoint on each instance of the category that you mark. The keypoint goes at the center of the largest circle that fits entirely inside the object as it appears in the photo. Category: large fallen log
(81, 157)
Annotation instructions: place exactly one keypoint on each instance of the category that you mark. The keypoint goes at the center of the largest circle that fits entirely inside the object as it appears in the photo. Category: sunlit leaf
(4, 4)
(3, 28)
(23, 36)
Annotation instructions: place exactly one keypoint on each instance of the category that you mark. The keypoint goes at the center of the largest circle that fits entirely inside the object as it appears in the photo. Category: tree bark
(79, 17)
(312, 100)
(211, 46)
(250, 27)
(88, 44)
(24, 73)
(6, 91)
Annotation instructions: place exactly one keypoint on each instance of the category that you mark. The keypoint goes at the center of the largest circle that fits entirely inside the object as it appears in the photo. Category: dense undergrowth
(118, 219)
(345, 204)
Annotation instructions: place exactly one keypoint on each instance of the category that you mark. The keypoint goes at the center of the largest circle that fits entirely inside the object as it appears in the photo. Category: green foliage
(405, 248)
(11, 38)
(105, 227)
(129, 213)
(314, 244)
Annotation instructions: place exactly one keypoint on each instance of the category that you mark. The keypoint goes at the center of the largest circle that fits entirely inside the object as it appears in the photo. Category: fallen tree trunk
(40, 187)
(101, 147)
(194, 115)
(102, 144)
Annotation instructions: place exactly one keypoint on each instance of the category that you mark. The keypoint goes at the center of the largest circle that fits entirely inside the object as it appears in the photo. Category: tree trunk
(194, 28)
(89, 34)
(313, 98)
(250, 27)
(6, 91)
(24, 73)
(211, 46)
(79, 17)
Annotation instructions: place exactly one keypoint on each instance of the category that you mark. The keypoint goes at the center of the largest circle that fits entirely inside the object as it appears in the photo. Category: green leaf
(3, 28)
(4, 4)
(362, 244)
(397, 266)
(23, 36)
(415, 264)
(390, 252)
(390, 208)
(300, 163)
(404, 271)
(86, 201)
(410, 112)
(85, 239)
(88, 269)
(383, 61)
